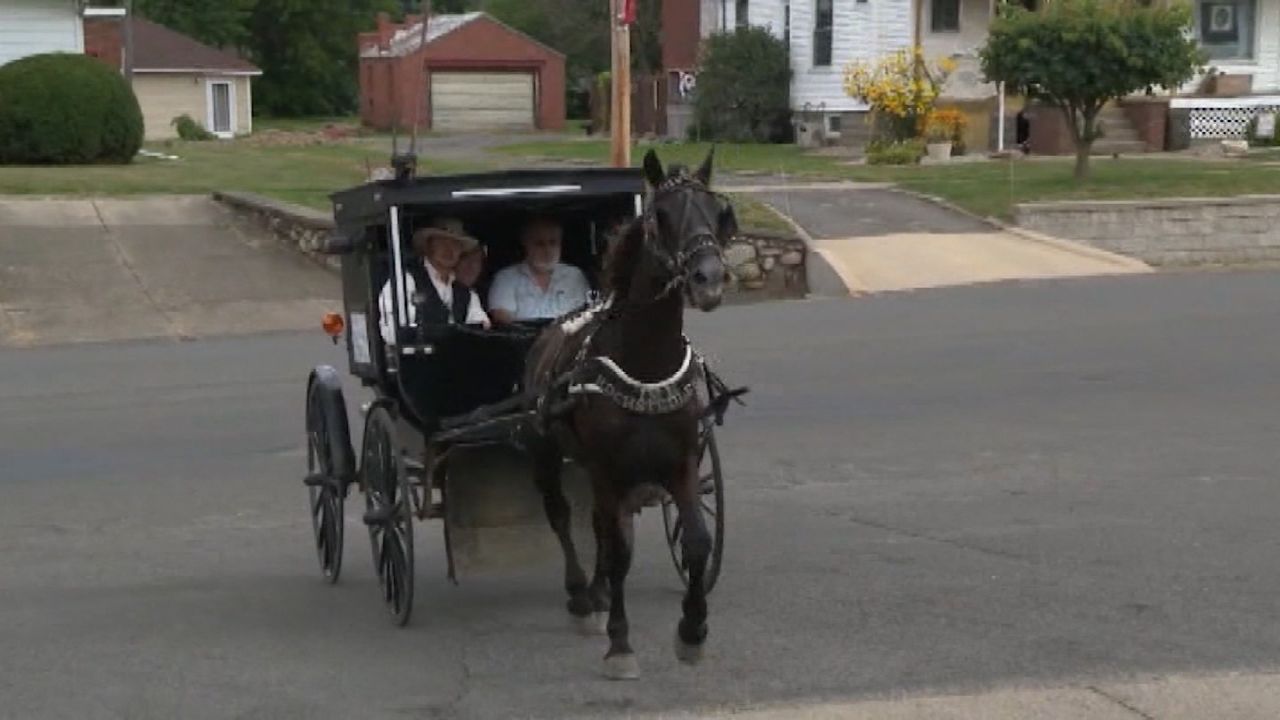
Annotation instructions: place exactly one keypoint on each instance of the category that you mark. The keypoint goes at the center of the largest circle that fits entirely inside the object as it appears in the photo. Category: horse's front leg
(547, 466)
(620, 662)
(691, 632)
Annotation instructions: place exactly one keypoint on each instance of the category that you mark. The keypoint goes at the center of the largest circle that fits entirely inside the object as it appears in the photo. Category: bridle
(676, 263)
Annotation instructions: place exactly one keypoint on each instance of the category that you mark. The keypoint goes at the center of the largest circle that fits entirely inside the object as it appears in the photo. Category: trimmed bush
(744, 88)
(904, 152)
(62, 109)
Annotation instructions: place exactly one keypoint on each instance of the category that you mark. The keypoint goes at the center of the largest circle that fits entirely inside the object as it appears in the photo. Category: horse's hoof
(591, 624)
(686, 653)
(622, 667)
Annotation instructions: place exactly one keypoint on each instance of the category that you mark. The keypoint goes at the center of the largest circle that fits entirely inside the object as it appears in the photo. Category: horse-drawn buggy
(587, 417)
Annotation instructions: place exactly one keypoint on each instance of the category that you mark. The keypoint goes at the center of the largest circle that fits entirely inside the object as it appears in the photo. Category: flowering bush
(901, 88)
(946, 125)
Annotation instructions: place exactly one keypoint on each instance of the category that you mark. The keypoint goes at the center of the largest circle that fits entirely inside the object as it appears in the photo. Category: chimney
(385, 30)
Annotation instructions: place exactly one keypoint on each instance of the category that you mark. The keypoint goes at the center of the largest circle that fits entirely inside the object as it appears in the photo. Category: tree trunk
(1083, 147)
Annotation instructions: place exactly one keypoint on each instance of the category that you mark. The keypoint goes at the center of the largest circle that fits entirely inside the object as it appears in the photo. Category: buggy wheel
(389, 514)
(711, 504)
(324, 489)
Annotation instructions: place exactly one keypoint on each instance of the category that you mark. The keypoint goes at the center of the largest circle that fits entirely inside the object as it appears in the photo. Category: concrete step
(1119, 147)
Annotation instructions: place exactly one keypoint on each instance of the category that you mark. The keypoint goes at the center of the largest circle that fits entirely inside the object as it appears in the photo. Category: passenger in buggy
(541, 286)
(443, 298)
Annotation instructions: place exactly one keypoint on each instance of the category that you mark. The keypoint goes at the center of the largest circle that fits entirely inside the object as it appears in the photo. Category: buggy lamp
(332, 325)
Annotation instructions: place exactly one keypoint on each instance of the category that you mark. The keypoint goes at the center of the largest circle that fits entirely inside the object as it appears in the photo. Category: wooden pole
(621, 77)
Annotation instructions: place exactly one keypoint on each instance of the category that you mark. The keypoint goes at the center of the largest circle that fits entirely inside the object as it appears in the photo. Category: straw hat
(444, 227)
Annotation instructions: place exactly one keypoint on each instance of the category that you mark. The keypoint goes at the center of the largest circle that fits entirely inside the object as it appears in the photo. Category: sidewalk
(1236, 696)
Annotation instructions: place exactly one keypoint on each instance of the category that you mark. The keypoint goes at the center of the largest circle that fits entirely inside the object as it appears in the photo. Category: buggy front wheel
(710, 504)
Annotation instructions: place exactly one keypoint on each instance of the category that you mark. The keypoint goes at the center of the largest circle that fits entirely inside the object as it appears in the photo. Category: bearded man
(540, 287)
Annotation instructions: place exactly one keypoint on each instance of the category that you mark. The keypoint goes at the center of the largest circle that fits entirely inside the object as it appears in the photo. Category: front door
(220, 111)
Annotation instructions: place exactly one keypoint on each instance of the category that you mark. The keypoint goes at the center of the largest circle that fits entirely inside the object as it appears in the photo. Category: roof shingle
(156, 48)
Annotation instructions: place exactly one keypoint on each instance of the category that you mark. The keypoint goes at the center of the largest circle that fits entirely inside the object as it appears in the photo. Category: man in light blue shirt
(541, 286)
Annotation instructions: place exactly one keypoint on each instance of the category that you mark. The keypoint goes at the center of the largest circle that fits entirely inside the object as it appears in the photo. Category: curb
(1080, 249)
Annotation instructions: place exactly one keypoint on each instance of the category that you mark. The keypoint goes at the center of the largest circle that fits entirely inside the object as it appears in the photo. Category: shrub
(61, 108)
(189, 129)
(900, 87)
(900, 152)
(744, 87)
(947, 126)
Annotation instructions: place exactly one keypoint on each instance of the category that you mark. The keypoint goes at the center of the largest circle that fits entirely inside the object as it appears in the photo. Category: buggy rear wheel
(389, 514)
(324, 489)
(711, 505)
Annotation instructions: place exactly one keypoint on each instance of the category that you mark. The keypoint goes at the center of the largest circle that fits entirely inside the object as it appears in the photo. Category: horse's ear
(653, 168)
(704, 171)
(727, 225)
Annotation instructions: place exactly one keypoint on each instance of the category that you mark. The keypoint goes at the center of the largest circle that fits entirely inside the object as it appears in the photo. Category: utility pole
(620, 34)
(128, 42)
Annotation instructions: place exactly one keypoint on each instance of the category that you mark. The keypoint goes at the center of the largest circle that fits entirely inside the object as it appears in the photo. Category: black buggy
(441, 436)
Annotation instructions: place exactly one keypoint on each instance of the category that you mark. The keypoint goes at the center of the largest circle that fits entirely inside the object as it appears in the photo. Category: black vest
(431, 310)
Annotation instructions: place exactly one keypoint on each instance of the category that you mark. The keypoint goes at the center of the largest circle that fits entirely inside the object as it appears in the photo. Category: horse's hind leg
(547, 465)
(691, 633)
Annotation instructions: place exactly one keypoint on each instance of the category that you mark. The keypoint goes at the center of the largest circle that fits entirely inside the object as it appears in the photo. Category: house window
(1225, 28)
(822, 28)
(740, 13)
(944, 16)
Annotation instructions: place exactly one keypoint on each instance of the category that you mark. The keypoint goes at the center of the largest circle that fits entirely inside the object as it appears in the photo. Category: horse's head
(686, 228)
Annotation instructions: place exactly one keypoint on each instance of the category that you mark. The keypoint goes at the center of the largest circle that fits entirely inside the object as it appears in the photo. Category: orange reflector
(332, 324)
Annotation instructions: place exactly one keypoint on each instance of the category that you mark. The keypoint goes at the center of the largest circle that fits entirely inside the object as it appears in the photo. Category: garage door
(481, 101)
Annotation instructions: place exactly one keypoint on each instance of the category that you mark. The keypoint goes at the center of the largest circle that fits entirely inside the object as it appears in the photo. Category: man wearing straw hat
(443, 299)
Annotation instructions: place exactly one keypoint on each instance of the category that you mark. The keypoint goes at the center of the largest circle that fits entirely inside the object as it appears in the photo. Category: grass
(300, 174)
(303, 124)
(986, 188)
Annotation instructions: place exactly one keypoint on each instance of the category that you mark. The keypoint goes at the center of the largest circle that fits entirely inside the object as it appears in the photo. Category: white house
(31, 27)
(1242, 38)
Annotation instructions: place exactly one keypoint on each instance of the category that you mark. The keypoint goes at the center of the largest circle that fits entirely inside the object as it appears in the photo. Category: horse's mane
(621, 259)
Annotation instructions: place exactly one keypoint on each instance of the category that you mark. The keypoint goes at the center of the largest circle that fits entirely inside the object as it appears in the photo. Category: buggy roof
(369, 203)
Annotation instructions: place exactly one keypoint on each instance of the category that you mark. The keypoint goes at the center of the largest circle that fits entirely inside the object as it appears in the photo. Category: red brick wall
(1050, 133)
(103, 40)
(1150, 117)
(481, 45)
(681, 34)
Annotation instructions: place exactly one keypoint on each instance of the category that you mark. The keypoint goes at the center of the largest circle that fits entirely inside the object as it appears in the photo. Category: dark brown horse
(617, 393)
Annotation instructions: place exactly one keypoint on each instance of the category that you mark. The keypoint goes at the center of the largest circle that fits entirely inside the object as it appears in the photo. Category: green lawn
(987, 188)
(301, 174)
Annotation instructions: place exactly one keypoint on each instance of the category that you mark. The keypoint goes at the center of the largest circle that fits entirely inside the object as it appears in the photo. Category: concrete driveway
(876, 239)
(175, 267)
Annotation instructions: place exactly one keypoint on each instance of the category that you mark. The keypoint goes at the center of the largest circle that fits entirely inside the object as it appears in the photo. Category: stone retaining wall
(1175, 231)
(764, 266)
(298, 227)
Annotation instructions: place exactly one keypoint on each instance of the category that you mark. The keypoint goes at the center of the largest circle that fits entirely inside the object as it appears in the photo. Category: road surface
(946, 491)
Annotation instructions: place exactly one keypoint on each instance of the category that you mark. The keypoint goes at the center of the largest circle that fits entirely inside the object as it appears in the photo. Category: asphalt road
(954, 489)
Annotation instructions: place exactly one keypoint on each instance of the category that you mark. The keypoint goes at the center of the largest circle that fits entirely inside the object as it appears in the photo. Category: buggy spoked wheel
(389, 515)
(711, 504)
(324, 489)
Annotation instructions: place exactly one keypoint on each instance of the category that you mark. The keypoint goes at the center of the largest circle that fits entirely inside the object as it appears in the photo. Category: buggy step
(381, 515)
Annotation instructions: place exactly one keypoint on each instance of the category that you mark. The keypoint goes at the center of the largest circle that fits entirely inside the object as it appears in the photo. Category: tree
(744, 87)
(1077, 55)
(307, 52)
(223, 24)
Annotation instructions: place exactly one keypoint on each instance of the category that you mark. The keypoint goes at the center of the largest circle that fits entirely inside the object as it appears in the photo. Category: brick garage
(473, 73)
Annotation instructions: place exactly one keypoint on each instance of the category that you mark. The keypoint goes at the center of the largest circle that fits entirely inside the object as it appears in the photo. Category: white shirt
(444, 289)
(517, 291)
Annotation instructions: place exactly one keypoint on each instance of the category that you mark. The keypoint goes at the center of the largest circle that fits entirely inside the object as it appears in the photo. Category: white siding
(31, 27)
(862, 31)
